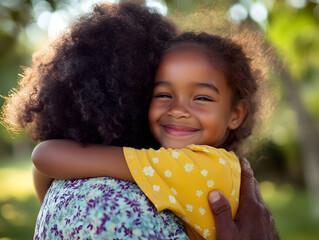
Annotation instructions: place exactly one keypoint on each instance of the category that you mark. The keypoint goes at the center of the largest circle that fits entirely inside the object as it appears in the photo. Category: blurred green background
(286, 151)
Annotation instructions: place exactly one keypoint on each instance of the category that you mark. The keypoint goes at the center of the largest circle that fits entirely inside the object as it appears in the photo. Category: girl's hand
(41, 183)
(253, 219)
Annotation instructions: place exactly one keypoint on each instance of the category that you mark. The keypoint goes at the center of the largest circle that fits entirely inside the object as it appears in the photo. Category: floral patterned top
(103, 208)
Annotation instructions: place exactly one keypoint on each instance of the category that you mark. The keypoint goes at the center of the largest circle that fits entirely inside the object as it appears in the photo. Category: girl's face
(192, 103)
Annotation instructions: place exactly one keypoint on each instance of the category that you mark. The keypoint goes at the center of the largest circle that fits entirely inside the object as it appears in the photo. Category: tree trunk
(309, 141)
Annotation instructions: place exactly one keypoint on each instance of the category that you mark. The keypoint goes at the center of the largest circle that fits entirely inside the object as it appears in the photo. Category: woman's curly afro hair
(241, 77)
(92, 84)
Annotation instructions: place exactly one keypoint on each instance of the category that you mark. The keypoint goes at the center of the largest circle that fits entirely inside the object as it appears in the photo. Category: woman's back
(103, 208)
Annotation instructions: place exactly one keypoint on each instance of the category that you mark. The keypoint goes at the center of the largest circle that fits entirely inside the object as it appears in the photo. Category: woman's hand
(253, 219)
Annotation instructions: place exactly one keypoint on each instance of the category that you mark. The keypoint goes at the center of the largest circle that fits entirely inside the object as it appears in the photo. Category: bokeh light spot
(267, 189)
(40, 7)
(44, 20)
(7, 211)
(159, 6)
(12, 215)
(258, 12)
(297, 3)
(57, 24)
(35, 34)
(280, 135)
(237, 13)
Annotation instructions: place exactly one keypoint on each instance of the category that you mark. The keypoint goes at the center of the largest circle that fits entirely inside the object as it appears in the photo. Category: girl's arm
(41, 183)
(66, 159)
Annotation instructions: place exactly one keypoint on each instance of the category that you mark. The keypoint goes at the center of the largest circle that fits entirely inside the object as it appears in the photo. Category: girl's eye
(162, 95)
(204, 98)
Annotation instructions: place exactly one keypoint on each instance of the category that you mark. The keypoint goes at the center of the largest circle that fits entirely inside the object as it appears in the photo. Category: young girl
(203, 106)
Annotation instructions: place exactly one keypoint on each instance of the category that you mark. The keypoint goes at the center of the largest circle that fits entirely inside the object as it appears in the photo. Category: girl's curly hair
(242, 78)
(92, 83)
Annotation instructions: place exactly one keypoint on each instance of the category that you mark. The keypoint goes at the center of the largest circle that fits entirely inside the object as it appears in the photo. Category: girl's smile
(192, 103)
(179, 130)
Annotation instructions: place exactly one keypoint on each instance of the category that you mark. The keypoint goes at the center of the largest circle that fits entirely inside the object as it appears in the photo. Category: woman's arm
(64, 159)
(41, 183)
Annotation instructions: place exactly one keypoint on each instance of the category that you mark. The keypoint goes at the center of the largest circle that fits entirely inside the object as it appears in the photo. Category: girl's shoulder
(194, 148)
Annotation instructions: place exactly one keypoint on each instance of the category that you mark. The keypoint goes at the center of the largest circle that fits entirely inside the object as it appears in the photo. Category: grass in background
(19, 206)
(292, 211)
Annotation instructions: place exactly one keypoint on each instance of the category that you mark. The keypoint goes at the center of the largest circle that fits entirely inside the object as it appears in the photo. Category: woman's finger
(225, 226)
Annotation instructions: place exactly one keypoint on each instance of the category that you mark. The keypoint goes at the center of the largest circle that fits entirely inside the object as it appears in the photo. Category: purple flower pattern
(103, 208)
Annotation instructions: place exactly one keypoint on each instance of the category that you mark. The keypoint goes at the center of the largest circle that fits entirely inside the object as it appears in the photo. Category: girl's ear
(237, 115)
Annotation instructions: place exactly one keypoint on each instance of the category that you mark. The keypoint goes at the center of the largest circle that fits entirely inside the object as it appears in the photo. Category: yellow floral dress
(180, 180)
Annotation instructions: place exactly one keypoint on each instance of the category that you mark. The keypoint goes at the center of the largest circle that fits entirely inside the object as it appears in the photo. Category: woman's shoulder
(102, 208)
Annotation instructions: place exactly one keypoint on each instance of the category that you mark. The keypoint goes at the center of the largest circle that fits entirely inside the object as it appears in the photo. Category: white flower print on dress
(175, 154)
(172, 199)
(156, 188)
(205, 149)
(199, 193)
(185, 219)
(210, 183)
(222, 161)
(204, 172)
(233, 193)
(201, 210)
(148, 171)
(168, 173)
(155, 160)
(197, 227)
(206, 233)
(174, 191)
(189, 207)
(188, 167)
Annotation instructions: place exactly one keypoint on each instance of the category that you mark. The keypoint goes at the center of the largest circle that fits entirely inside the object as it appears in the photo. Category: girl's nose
(179, 110)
